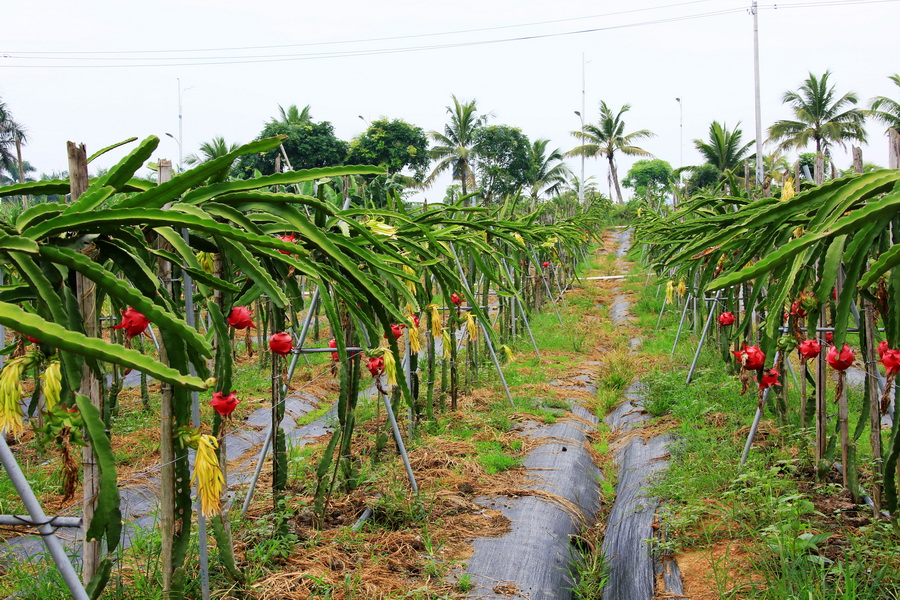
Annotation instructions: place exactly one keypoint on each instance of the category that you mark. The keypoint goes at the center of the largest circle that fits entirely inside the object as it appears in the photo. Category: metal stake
(399, 440)
(709, 319)
(48, 534)
(759, 412)
(522, 307)
(680, 324)
(544, 281)
(484, 330)
(663, 309)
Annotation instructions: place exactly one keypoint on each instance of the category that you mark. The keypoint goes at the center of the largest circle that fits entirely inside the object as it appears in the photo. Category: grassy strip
(768, 530)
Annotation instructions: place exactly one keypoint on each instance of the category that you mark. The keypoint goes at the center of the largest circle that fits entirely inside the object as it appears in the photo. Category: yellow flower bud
(208, 475)
(390, 366)
(435, 321)
(447, 343)
(52, 384)
(410, 285)
(787, 190)
(682, 289)
(670, 291)
(11, 394)
(471, 327)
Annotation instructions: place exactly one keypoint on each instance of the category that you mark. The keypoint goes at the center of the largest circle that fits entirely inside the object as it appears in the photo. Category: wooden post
(90, 385)
(166, 436)
(893, 149)
(819, 169)
(857, 160)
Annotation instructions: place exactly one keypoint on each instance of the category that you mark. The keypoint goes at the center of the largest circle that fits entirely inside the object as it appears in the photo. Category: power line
(376, 39)
(291, 57)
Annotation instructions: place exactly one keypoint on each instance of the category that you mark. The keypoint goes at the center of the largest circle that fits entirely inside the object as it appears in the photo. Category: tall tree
(887, 110)
(502, 161)
(395, 144)
(649, 178)
(293, 115)
(547, 173)
(724, 149)
(608, 137)
(308, 145)
(456, 148)
(214, 148)
(820, 116)
(12, 136)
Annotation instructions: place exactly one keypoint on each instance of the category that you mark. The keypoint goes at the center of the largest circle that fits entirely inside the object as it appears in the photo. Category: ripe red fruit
(224, 405)
(882, 348)
(332, 343)
(375, 366)
(546, 264)
(396, 330)
(750, 357)
(281, 343)
(797, 309)
(840, 361)
(289, 238)
(28, 337)
(726, 319)
(809, 349)
(133, 322)
(456, 298)
(241, 317)
(769, 378)
(891, 361)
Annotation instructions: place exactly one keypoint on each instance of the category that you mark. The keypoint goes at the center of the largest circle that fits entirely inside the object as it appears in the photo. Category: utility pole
(581, 181)
(759, 154)
(180, 130)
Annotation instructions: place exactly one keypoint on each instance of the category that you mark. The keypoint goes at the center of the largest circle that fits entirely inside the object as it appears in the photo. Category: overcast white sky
(643, 52)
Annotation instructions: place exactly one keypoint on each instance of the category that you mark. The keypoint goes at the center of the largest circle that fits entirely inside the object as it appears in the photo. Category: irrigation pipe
(709, 319)
(48, 535)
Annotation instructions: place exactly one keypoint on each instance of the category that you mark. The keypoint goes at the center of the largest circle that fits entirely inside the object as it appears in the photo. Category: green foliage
(724, 150)
(308, 145)
(503, 160)
(649, 178)
(494, 458)
(394, 145)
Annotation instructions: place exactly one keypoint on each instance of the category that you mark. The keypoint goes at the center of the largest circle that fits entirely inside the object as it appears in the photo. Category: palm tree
(821, 117)
(724, 150)
(608, 137)
(293, 115)
(887, 110)
(456, 148)
(214, 148)
(548, 173)
(11, 134)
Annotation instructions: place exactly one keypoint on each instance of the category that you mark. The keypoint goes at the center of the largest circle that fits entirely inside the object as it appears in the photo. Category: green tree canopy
(649, 178)
(547, 173)
(12, 136)
(214, 148)
(887, 110)
(502, 160)
(820, 116)
(607, 138)
(455, 149)
(308, 145)
(394, 144)
(724, 149)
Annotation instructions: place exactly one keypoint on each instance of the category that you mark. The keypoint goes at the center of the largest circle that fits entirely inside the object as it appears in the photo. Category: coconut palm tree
(887, 110)
(608, 137)
(821, 117)
(456, 148)
(214, 148)
(724, 149)
(12, 135)
(293, 115)
(548, 173)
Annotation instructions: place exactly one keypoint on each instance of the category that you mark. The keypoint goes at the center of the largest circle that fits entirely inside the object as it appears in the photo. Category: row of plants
(126, 245)
(810, 275)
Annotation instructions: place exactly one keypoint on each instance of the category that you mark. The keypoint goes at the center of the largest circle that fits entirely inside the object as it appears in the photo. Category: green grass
(494, 458)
